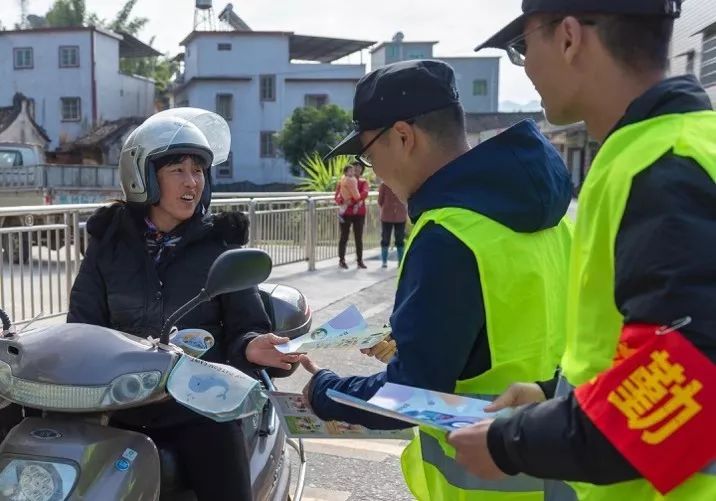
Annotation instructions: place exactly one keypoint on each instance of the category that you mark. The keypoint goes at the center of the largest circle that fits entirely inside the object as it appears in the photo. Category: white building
(254, 80)
(477, 78)
(693, 49)
(72, 78)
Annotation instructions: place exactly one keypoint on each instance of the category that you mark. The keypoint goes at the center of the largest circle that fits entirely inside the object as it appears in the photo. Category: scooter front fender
(110, 463)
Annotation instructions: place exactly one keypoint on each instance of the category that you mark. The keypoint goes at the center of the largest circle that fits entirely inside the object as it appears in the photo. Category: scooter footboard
(71, 459)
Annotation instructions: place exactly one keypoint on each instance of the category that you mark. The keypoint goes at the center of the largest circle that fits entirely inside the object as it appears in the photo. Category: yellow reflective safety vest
(593, 321)
(523, 277)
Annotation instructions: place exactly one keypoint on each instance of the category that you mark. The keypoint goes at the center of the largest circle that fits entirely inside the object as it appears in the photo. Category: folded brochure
(346, 330)
(300, 422)
(418, 406)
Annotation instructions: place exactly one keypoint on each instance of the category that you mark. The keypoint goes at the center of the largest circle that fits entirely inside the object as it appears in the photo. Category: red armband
(656, 405)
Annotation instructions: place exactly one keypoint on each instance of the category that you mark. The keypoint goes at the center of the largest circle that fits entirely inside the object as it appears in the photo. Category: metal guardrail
(40, 261)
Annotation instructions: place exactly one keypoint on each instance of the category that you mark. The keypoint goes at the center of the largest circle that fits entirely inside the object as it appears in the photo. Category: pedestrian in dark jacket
(658, 254)
(149, 256)
(393, 215)
(353, 215)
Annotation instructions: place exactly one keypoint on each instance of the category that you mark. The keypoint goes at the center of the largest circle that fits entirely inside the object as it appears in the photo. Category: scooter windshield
(219, 392)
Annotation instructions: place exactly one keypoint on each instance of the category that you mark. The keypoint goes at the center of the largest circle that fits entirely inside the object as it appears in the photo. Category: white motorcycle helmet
(175, 131)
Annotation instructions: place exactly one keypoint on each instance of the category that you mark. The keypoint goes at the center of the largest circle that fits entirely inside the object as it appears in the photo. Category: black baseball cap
(395, 92)
(514, 30)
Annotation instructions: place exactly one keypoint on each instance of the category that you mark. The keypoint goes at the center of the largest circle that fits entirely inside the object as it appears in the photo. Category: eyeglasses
(517, 47)
(362, 158)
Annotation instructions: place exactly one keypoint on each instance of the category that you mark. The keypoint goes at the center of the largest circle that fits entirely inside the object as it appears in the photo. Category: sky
(459, 25)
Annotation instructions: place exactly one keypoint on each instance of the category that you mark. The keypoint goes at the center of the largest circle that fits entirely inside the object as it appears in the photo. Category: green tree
(123, 21)
(67, 13)
(310, 130)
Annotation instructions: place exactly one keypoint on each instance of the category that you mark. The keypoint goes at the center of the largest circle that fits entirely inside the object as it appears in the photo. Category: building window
(225, 105)
(223, 46)
(479, 87)
(23, 58)
(268, 144)
(415, 55)
(315, 100)
(708, 59)
(268, 87)
(391, 51)
(69, 56)
(225, 169)
(71, 109)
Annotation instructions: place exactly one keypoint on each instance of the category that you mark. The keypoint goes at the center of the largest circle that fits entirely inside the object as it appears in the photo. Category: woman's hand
(262, 351)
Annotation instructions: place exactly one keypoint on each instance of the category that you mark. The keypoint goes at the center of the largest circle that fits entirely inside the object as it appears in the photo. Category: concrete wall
(339, 93)
(46, 82)
(696, 15)
(469, 69)
(119, 95)
(249, 54)
(392, 52)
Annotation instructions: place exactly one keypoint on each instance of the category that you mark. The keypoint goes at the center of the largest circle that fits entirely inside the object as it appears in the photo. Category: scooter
(77, 375)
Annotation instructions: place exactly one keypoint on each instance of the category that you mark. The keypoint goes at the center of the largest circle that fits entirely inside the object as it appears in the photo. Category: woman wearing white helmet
(150, 254)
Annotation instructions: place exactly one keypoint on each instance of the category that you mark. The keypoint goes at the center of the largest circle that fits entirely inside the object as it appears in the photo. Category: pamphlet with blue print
(300, 422)
(346, 330)
(418, 406)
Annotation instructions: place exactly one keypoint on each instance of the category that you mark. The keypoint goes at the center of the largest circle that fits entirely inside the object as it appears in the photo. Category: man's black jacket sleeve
(665, 270)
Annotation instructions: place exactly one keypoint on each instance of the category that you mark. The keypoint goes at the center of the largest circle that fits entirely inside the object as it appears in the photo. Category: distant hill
(511, 106)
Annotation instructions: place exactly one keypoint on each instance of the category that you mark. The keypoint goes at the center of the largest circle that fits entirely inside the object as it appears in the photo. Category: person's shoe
(342, 264)
(362, 265)
(384, 265)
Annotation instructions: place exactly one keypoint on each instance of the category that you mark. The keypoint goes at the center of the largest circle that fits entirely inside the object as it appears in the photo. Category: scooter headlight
(131, 388)
(122, 391)
(37, 480)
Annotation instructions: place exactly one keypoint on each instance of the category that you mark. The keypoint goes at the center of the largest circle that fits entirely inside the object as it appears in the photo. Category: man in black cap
(480, 295)
(640, 421)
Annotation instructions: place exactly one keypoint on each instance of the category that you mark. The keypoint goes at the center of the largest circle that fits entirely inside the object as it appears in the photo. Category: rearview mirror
(236, 270)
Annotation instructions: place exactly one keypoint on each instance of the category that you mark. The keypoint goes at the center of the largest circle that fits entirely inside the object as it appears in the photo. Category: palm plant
(321, 176)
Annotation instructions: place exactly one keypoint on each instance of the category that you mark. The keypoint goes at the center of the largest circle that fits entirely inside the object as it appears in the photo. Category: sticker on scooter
(122, 464)
(204, 382)
(128, 457)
